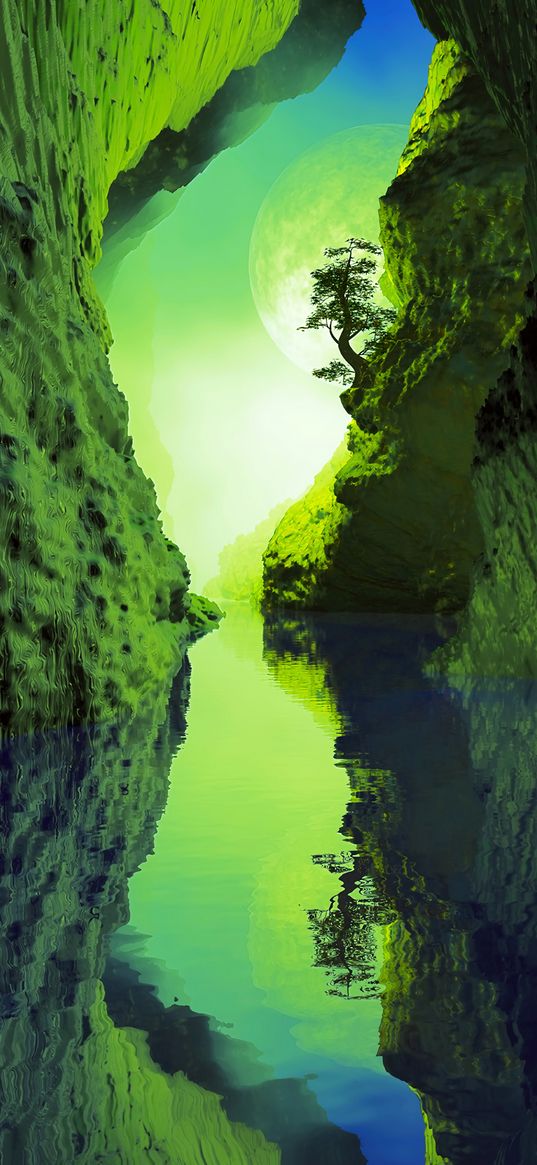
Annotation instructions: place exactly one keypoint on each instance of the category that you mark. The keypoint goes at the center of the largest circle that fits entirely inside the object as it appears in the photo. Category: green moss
(297, 554)
(457, 263)
(94, 607)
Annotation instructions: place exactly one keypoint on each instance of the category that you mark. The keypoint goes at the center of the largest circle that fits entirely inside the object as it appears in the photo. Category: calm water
(221, 907)
(313, 854)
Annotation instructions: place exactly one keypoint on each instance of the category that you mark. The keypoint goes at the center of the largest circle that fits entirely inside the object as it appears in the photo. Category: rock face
(298, 554)
(456, 257)
(501, 44)
(94, 604)
(497, 634)
(308, 50)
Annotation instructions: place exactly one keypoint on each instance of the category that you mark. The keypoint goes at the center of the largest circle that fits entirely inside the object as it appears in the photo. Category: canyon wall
(404, 529)
(95, 612)
(497, 634)
(308, 50)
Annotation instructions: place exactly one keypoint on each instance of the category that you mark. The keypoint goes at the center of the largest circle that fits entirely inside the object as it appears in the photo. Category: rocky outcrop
(308, 50)
(299, 551)
(497, 631)
(94, 604)
(497, 634)
(501, 44)
(457, 264)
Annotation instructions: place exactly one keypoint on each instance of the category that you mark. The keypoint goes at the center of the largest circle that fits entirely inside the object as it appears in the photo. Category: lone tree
(343, 303)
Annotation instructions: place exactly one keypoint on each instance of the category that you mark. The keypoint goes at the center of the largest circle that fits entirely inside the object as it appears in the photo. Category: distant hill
(240, 573)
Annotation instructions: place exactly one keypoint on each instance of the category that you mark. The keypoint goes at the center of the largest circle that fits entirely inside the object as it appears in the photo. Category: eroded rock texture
(497, 635)
(403, 528)
(308, 50)
(94, 604)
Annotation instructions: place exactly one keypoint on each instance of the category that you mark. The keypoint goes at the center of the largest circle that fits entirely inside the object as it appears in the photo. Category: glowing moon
(328, 194)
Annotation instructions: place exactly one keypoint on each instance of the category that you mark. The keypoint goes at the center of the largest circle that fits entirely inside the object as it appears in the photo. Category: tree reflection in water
(443, 816)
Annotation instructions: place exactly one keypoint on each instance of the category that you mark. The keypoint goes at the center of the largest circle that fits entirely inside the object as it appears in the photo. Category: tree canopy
(343, 302)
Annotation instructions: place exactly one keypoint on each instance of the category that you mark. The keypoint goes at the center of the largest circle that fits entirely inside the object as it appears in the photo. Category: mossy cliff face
(457, 264)
(308, 50)
(78, 815)
(501, 43)
(94, 605)
(298, 554)
(497, 635)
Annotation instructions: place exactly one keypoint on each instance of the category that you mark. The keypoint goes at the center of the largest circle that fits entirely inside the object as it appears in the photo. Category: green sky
(222, 421)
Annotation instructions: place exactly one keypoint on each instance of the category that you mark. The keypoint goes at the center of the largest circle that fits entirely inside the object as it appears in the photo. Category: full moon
(328, 194)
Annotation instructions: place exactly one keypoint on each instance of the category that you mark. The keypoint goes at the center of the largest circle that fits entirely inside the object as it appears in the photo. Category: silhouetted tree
(343, 303)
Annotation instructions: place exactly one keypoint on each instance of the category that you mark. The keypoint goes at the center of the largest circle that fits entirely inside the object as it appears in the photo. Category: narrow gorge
(267, 874)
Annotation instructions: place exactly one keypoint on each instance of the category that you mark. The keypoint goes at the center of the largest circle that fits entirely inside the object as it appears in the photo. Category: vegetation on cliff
(94, 604)
(457, 263)
(343, 302)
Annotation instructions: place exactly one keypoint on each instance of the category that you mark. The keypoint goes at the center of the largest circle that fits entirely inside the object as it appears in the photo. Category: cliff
(497, 634)
(94, 604)
(311, 46)
(457, 263)
(300, 550)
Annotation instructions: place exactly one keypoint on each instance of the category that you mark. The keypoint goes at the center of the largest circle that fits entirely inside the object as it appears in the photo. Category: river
(289, 915)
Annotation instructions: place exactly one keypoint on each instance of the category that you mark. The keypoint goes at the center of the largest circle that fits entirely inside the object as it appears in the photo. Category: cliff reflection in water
(93, 1066)
(444, 817)
(78, 814)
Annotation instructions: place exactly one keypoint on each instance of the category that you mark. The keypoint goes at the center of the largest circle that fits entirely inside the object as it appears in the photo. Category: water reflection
(181, 1040)
(421, 922)
(219, 914)
(78, 814)
(444, 816)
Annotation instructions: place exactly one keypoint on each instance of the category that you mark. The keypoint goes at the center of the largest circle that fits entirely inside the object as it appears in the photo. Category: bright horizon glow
(225, 424)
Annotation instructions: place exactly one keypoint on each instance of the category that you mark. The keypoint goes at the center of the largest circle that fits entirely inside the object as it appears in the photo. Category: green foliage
(343, 302)
(335, 371)
(240, 565)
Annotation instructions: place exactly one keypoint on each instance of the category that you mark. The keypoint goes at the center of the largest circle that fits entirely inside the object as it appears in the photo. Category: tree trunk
(360, 366)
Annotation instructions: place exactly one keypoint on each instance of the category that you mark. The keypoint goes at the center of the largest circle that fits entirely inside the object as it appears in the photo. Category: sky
(223, 422)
